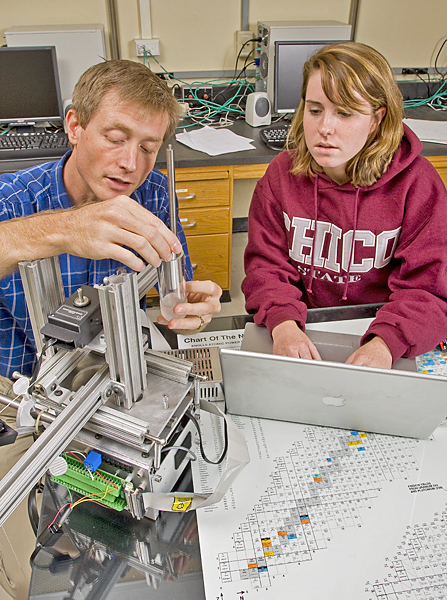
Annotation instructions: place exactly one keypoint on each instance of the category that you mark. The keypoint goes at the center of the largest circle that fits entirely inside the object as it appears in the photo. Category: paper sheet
(214, 141)
(429, 131)
(230, 338)
(327, 513)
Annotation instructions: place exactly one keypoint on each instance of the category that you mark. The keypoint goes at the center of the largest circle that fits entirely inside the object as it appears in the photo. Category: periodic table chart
(432, 362)
(322, 513)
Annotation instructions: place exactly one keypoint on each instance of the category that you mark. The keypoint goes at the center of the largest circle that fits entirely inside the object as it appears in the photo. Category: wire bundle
(209, 111)
(438, 99)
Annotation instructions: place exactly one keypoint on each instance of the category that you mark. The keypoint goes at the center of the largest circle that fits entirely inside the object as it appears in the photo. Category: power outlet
(241, 38)
(151, 46)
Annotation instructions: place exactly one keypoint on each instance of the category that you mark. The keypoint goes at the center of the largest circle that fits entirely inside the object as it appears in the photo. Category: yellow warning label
(181, 504)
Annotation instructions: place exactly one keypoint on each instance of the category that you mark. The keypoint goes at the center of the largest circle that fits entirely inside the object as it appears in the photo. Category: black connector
(7, 434)
(415, 71)
(50, 535)
(165, 76)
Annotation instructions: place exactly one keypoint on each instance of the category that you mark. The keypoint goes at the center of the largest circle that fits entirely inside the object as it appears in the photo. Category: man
(100, 207)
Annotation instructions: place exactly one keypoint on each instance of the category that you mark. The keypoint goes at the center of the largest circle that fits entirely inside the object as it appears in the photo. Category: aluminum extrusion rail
(19, 481)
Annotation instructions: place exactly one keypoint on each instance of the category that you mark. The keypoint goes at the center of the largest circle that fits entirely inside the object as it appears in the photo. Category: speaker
(258, 110)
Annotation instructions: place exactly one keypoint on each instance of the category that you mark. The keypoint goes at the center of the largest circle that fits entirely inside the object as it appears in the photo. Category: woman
(350, 214)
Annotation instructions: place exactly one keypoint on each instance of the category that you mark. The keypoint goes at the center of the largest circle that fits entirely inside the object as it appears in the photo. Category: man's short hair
(131, 82)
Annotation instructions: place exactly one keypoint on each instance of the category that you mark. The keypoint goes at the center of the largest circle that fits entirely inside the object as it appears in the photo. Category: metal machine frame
(105, 397)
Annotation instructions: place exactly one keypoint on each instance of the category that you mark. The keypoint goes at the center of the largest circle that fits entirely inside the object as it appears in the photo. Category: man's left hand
(374, 353)
(203, 303)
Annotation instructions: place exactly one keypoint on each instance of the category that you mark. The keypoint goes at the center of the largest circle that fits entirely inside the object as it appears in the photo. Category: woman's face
(335, 134)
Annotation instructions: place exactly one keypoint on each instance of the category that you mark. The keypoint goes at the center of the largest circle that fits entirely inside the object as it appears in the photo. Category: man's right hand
(106, 227)
(97, 230)
(290, 340)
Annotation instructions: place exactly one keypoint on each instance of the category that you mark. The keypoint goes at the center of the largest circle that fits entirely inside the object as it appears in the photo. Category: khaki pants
(17, 540)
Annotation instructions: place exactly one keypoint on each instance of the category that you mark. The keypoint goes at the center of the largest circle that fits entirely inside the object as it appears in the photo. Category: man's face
(116, 151)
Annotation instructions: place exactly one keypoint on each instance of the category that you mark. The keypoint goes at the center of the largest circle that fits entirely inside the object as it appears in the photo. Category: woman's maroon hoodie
(399, 255)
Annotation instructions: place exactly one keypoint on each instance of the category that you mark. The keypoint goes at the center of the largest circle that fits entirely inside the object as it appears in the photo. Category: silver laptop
(398, 401)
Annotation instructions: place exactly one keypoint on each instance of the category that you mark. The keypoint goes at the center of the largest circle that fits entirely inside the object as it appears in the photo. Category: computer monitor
(289, 61)
(29, 86)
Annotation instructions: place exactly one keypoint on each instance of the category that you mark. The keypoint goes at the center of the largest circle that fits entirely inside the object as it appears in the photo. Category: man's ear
(72, 125)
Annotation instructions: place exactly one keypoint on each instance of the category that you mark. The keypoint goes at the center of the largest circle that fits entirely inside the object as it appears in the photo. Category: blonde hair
(348, 69)
(131, 82)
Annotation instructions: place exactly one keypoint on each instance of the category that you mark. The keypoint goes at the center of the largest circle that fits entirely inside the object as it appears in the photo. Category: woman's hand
(290, 340)
(374, 353)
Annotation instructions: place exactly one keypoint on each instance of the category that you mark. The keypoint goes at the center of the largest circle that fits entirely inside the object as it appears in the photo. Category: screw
(81, 300)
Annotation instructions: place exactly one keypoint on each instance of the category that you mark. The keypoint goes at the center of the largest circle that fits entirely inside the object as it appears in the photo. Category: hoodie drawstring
(351, 251)
(312, 266)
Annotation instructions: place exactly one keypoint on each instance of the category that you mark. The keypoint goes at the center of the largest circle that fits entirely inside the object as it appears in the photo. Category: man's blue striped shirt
(41, 188)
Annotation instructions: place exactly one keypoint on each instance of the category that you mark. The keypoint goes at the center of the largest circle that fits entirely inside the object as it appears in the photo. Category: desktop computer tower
(284, 47)
(78, 47)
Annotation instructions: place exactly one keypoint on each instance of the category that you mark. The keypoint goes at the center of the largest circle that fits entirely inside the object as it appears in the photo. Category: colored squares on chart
(304, 519)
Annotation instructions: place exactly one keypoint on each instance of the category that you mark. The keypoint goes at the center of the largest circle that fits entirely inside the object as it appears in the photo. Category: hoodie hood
(409, 149)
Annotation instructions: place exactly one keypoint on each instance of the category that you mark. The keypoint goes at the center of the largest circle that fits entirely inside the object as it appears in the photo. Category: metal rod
(44, 293)
(114, 30)
(353, 17)
(7, 401)
(146, 280)
(171, 188)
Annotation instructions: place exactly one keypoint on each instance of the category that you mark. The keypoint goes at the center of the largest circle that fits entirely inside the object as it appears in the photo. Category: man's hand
(374, 353)
(97, 230)
(203, 301)
(290, 340)
(103, 229)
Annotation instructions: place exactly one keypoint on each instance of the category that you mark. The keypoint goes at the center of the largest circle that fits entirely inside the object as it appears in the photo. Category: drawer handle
(194, 266)
(186, 224)
(190, 197)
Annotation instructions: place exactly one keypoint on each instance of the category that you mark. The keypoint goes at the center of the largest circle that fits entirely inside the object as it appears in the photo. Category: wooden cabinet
(440, 164)
(205, 197)
(205, 208)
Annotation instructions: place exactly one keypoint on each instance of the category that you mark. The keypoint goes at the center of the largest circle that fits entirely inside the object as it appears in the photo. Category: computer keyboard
(275, 136)
(14, 146)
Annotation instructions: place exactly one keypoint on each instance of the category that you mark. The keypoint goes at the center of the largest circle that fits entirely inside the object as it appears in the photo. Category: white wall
(199, 34)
